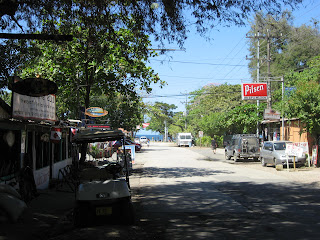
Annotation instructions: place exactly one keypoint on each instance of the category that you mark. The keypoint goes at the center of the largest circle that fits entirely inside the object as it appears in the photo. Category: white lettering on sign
(252, 89)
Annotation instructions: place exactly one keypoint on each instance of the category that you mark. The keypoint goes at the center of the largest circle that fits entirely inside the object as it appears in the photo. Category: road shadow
(149, 172)
(228, 210)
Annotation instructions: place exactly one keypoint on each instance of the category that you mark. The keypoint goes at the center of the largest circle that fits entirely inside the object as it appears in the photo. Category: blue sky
(222, 60)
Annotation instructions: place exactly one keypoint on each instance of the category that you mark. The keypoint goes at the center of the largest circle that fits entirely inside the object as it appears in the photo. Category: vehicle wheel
(263, 163)
(274, 162)
(128, 213)
(255, 159)
(227, 156)
(81, 215)
(235, 158)
(4, 216)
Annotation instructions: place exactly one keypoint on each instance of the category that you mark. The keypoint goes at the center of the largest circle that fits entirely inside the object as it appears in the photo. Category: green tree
(290, 47)
(304, 102)
(160, 114)
(6, 97)
(166, 20)
(244, 118)
(123, 111)
(97, 62)
(177, 125)
(209, 105)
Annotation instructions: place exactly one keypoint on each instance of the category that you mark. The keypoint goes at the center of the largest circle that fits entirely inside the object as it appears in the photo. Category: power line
(213, 64)
(208, 78)
(192, 94)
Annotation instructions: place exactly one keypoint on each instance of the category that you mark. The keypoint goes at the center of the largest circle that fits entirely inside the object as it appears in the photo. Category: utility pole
(268, 63)
(258, 78)
(186, 112)
(165, 131)
(268, 38)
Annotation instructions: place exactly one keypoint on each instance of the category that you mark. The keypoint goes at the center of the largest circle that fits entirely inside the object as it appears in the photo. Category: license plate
(103, 211)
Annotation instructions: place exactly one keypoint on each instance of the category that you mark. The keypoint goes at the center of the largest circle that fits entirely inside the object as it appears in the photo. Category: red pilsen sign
(254, 91)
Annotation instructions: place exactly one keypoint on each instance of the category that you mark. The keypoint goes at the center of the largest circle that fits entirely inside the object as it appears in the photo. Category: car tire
(128, 213)
(81, 215)
(235, 158)
(263, 163)
(274, 162)
(227, 156)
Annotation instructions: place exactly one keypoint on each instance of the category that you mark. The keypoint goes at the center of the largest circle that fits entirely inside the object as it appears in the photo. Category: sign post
(200, 136)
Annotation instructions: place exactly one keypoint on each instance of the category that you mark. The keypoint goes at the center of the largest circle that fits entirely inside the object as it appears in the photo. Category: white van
(143, 139)
(184, 139)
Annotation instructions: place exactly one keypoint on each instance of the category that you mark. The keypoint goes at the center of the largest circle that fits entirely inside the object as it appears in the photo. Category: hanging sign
(34, 87)
(55, 135)
(34, 108)
(254, 91)
(96, 112)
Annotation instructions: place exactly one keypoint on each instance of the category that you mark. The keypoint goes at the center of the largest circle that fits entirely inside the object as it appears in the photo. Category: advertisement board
(254, 91)
(95, 112)
(270, 114)
(34, 108)
(293, 150)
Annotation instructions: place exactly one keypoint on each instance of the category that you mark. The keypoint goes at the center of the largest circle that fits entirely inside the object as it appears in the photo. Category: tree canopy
(166, 20)
(161, 115)
(303, 103)
(102, 60)
(290, 47)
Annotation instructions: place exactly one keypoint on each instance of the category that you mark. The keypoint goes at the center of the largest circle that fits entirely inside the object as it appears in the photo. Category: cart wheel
(128, 213)
(4, 216)
(81, 215)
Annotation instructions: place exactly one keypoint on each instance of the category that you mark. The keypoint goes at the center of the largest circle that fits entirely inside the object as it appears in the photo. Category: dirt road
(189, 193)
(184, 194)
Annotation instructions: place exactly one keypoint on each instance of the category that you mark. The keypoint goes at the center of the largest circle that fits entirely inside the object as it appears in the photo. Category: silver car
(274, 153)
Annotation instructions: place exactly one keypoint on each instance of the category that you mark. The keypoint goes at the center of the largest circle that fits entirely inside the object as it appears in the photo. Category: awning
(93, 135)
(270, 121)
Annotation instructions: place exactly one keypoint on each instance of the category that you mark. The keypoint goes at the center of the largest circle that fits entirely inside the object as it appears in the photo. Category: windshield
(188, 137)
(182, 137)
(280, 146)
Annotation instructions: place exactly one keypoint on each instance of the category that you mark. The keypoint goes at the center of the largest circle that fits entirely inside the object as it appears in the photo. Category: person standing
(214, 145)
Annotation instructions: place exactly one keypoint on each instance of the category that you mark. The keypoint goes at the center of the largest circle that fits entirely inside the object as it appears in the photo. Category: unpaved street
(191, 193)
(182, 194)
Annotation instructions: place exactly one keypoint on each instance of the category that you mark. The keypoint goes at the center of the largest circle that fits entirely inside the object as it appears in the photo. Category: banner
(144, 125)
(55, 135)
(35, 108)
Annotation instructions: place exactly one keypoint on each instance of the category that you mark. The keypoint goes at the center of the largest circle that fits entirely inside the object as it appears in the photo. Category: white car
(273, 152)
(143, 139)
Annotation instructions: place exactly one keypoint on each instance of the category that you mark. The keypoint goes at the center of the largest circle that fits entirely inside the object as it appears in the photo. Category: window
(57, 152)
(10, 147)
(280, 146)
(268, 146)
(42, 147)
(64, 148)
